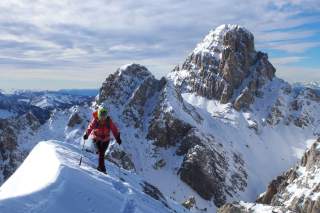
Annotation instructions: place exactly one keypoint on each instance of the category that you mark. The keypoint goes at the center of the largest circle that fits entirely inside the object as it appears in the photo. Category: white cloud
(284, 35)
(293, 47)
(298, 74)
(75, 35)
(125, 48)
(286, 60)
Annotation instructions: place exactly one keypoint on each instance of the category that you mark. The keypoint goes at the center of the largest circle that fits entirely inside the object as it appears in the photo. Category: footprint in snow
(119, 186)
(129, 206)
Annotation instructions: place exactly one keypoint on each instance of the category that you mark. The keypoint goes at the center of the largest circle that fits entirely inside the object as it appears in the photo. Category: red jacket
(101, 129)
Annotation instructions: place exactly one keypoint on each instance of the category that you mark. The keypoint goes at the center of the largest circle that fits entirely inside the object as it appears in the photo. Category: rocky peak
(225, 36)
(118, 87)
(225, 66)
(133, 70)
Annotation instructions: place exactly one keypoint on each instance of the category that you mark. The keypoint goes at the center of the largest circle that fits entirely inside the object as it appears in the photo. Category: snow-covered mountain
(54, 99)
(219, 117)
(216, 129)
(296, 190)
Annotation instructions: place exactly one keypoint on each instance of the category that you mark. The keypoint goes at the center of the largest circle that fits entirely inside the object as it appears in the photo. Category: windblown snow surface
(50, 180)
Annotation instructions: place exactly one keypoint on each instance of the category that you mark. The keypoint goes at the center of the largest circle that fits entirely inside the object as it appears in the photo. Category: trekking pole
(84, 141)
(119, 172)
(119, 167)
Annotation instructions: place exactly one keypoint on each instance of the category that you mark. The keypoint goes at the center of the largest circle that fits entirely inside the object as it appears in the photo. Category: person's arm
(91, 126)
(115, 132)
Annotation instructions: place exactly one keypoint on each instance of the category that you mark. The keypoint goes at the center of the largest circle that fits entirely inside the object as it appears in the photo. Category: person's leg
(102, 149)
(96, 147)
(100, 156)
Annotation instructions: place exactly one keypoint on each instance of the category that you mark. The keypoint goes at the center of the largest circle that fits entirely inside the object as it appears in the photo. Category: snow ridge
(62, 186)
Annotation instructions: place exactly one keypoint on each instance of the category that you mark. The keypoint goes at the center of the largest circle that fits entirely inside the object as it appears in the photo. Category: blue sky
(76, 44)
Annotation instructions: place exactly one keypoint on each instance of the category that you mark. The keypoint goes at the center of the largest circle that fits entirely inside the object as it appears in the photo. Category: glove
(118, 139)
(85, 137)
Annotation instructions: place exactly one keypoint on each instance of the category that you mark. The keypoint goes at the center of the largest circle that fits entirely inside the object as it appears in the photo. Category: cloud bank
(86, 40)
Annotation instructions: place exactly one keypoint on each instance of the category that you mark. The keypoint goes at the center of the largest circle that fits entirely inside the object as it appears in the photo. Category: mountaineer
(100, 127)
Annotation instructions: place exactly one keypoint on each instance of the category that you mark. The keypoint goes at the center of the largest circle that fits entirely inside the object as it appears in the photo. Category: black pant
(101, 146)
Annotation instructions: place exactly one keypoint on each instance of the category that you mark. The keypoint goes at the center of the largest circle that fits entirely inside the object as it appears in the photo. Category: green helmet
(102, 112)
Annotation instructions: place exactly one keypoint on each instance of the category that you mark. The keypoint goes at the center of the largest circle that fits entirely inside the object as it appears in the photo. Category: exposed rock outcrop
(304, 179)
(120, 86)
(28, 120)
(232, 208)
(205, 168)
(189, 203)
(297, 110)
(10, 158)
(169, 131)
(120, 158)
(196, 173)
(297, 190)
(225, 66)
(141, 101)
(75, 119)
(154, 192)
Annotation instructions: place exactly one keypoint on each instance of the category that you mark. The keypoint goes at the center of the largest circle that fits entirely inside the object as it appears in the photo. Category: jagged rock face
(311, 158)
(204, 171)
(226, 67)
(168, 132)
(134, 90)
(305, 180)
(297, 110)
(189, 203)
(276, 186)
(297, 190)
(205, 168)
(10, 154)
(119, 87)
(141, 101)
(120, 158)
(28, 120)
(250, 208)
(236, 55)
(74, 120)
(154, 192)
(166, 129)
(232, 208)
(10, 158)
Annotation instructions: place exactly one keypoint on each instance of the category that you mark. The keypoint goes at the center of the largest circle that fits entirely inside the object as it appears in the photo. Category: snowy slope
(50, 180)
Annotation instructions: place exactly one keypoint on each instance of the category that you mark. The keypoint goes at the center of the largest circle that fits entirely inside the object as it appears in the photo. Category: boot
(103, 170)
